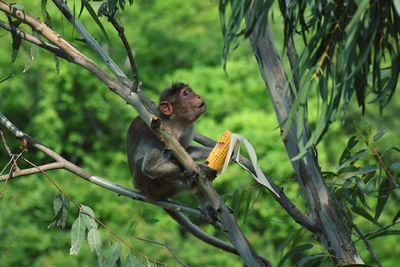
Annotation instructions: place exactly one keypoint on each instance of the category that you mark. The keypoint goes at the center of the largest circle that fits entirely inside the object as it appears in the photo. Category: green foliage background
(74, 114)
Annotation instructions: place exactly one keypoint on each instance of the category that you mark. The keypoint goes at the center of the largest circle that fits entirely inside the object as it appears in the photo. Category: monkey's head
(180, 102)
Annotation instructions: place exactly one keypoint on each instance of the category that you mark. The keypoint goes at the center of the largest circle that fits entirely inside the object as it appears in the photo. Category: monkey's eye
(186, 92)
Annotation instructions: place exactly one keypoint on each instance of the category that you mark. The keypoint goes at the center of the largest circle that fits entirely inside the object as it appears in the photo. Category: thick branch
(331, 221)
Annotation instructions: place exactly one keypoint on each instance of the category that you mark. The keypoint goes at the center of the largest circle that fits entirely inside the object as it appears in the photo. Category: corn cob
(218, 155)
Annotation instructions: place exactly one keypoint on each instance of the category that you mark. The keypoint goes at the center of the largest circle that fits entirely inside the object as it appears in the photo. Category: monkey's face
(190, 105)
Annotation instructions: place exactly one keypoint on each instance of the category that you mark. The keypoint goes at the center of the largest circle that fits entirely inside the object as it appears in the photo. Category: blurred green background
(75, 115)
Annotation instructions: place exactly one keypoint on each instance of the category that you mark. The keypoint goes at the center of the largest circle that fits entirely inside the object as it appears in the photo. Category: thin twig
(121, 33)
(5, 143)
(30, 171)
(368, 245)
(13, 160)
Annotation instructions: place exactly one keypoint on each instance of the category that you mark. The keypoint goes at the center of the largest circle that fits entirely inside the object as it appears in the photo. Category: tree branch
(121, 33)
(367, 245)
(332, 225)
(36, 41)
(30, 171)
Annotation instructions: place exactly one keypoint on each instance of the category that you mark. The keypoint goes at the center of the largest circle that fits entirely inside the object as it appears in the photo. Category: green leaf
(94, 16)
(362, 212)
(95, 244)
(16, 40)
(32, 57)
(353, 141)
(94, 240)
(395, 166)
(132, 261)
(378, 135)
(113, 255)
(383, 196)
(396, 217)
(88, 216)
(383, 233)
(396, 4)
(60, 207)
(77, 235)
(293, 252)
(305, 261)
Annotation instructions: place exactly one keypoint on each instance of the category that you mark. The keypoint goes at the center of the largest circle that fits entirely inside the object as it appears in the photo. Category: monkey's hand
(190, 177)
(210, 173)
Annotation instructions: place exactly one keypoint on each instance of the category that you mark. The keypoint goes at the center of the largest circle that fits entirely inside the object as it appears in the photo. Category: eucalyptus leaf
(77, 235)
(310, 259)
(113, 255)
(60, 207)
(383, 233)
(95, 244)
(294, 251)
(132, 261)
(383, 196)
(396, 4)
(88, 217)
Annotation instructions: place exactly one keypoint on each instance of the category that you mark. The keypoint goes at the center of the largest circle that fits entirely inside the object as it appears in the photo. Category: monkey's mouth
(202, 106)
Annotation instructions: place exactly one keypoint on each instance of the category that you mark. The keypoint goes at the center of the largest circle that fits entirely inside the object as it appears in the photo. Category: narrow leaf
(94, 240)
(383, 196)
(396, 217)
(60, 207)
(294, 251)
(94, 16)
(378, 135)
(132, 261)
(362, 212)
(395, 166)
(396, 4)
(17, 41)
(113, 255)
(307, 260)
(95, 244)
(88, 217)
(353, 141)
(32, 57)
(383, 233)
(77, 236)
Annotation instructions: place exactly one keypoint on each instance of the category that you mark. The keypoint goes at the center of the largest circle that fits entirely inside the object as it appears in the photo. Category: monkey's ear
(166, 108)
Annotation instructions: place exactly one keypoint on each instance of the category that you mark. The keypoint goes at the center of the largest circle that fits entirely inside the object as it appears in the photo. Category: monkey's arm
(158, 163)
(198, 153)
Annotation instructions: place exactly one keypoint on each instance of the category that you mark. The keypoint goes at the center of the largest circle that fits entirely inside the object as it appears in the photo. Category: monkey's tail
(200, 234)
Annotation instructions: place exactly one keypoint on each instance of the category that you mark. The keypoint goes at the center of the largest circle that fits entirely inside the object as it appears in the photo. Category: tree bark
(332, 226)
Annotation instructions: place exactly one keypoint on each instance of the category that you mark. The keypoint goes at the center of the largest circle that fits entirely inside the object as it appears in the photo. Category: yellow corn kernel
(218, 155)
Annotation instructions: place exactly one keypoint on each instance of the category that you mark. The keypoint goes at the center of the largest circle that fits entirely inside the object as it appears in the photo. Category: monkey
(156, 173)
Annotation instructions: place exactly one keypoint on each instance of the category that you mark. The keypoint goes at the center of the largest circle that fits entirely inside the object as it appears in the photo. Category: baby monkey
(154, 169)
